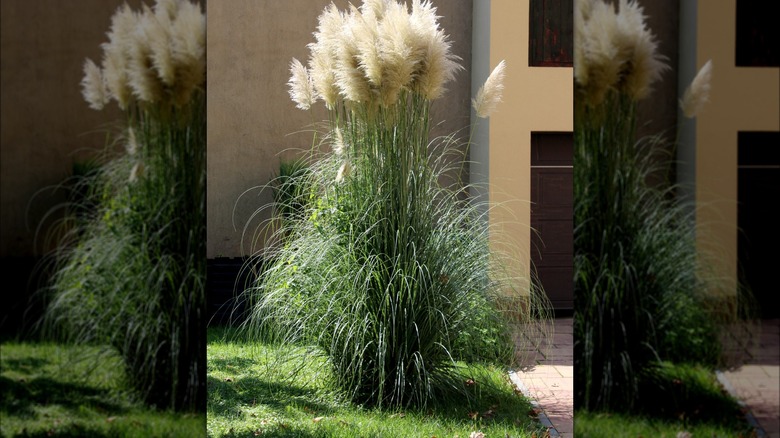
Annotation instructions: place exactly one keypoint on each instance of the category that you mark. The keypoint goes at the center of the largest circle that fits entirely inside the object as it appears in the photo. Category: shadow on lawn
(231, 398)
(21, 396)
(250, 391)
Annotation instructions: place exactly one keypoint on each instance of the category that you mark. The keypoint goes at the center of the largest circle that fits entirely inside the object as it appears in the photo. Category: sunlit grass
(260, 390)
(675, 398)
(57, 390)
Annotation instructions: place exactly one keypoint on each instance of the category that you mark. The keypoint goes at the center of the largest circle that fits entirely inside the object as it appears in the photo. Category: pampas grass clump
(642, 291)
(131, 276)
(385, 270)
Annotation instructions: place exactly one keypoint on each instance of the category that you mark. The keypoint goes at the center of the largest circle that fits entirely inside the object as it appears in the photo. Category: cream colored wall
(741, 99)
(535, 99)
(251, 119)
(46, 124)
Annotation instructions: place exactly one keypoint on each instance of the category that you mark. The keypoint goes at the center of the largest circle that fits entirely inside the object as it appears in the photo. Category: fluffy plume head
(642, 65)
(371, 53)
(93, 86)
(132, 142)
(188, 51)
(698, 92)
(351, 81)
(156, 56)
(614, 50)
(490, 93)
(437, 65)
(322, 63)
(339, 147)
(156, 29)
(343, 172)
(301, 85)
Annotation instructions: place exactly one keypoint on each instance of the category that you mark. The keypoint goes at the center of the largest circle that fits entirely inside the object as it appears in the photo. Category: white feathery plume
(596, 62)
(642, 65)
(144, 82)
(188, 49)
(132, 143)
(339, 147)
(93, 86)
(323, 54)
(351, 82)
(167, 9)
(366, 34)
(438, 66)
(156, 29)
(698, 92)
(489, 94)
(115, 75)
(343, 172)
(399, 53)
(374, 9)
(301, 85)
(116, 53)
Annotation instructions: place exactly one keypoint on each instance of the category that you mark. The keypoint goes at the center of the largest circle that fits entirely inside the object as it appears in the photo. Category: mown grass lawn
(598, 425)
(678, 401)
(251, 392)
(73, 391)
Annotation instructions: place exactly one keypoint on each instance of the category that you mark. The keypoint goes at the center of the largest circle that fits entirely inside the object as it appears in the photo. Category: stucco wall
(741, 99)
(45, 124)
(252, 122)
(535, 99)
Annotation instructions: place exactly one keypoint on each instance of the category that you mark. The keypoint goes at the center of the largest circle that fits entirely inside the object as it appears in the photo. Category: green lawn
(254, 393)
(598, 425)
(73, 391)
(674, 398)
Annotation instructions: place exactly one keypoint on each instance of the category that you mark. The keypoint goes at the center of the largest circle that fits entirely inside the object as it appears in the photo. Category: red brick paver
(757, 382)
(548, 379)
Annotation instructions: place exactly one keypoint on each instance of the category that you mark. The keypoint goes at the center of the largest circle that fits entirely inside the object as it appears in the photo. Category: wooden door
(552, 211)
(758, 192)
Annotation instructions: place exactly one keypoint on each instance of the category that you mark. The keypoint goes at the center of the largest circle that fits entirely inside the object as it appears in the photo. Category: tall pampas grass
(643, 293)
(385, 271)
(131, 276)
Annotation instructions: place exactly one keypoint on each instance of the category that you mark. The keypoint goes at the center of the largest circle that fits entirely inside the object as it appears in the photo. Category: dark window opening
(757, 34)
(551, 41)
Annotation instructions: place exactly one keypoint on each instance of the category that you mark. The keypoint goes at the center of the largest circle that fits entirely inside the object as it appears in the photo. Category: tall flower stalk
(385, 270)
(132, 277)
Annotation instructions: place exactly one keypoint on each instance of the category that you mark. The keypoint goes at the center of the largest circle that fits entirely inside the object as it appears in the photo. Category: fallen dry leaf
(317, 419)
(473, 415)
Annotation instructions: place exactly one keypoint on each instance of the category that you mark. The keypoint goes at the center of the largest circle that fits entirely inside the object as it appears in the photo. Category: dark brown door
(552, 210)
(759, 236)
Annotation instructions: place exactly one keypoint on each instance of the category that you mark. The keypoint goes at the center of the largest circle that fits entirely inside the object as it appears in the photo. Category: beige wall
(742, 99)
(535, 99)
(251, 120)
(45, 123)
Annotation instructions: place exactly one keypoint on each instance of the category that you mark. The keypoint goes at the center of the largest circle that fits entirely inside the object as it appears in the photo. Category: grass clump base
(258, 389)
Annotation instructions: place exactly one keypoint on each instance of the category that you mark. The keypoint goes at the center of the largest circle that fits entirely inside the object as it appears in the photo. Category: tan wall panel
(535, 99)
(741, 99)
